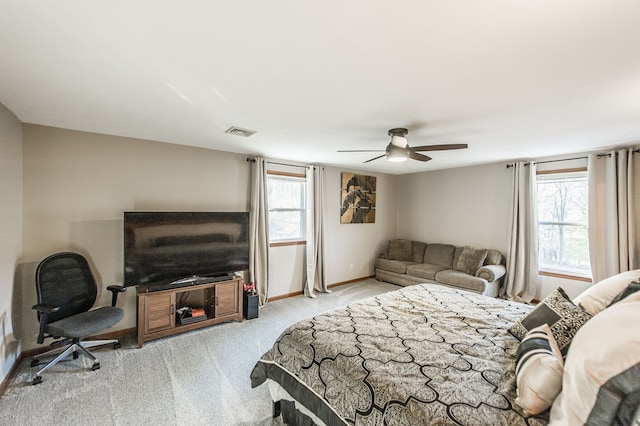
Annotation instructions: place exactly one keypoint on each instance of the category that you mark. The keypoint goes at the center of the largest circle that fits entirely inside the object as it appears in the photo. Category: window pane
(564, 247)
(562, 222)
(563, 198)
(285, 225)
(285, 194)
(286, 198)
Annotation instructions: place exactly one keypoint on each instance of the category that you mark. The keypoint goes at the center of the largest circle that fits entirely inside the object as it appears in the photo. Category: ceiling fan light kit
(399, 150)
(396, 154)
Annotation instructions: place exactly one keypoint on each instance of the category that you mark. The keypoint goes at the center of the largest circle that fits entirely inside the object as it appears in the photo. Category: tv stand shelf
(221, 301)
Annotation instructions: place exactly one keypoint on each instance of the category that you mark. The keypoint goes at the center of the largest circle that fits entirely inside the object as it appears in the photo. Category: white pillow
(538, 371)
(600, 383)
(597, 297)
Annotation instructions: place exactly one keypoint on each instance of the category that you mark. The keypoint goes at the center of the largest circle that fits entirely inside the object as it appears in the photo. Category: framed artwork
(358, 198)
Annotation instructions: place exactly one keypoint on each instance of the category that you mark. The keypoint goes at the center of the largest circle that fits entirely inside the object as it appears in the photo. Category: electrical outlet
(350, 266)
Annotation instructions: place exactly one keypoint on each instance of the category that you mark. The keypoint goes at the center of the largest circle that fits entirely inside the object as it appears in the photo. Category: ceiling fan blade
(440, 147)
(419, 157)
(362, 150)
(375, 158)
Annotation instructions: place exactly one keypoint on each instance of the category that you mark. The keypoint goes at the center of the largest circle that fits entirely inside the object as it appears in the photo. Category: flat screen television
(174, 247)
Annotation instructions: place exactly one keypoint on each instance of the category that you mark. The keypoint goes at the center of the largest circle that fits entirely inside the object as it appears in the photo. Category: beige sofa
(408, 262)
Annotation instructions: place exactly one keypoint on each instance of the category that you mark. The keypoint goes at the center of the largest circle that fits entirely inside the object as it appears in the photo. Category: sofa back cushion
(400, 250)
(417, 250)
(439, 254)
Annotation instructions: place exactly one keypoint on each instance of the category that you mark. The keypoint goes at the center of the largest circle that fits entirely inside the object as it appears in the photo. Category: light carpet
(195, 378)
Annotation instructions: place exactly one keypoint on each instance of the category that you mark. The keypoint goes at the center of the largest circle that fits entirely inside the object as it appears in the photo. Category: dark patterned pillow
(563, 317)
(470, 260)
(400, 250)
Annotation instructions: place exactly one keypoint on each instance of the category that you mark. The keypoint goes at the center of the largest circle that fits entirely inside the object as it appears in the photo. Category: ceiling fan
(399, 150)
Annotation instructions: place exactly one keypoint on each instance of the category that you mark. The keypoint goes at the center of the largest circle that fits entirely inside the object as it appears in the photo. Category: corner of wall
(11, 181)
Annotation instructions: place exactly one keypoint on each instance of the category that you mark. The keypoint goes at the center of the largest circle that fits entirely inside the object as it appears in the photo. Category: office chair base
(72, 349)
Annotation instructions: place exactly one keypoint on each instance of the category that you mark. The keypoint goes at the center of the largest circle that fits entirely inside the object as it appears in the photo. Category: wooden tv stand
(221, 301)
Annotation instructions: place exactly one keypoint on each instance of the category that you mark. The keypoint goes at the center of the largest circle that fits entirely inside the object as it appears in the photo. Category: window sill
(565, 275)
(287, 243)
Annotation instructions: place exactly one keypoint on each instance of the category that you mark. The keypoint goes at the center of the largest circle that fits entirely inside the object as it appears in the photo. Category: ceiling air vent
(239, 131)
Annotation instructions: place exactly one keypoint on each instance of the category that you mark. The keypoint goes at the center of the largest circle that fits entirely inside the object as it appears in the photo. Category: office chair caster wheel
(95, 366)
(117, 345)
(37, 380)
(35, 362)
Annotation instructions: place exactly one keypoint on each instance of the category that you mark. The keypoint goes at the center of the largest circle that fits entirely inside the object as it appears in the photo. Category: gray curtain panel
(315, 232)
(521, 282)
(614, 212)
(259, 230)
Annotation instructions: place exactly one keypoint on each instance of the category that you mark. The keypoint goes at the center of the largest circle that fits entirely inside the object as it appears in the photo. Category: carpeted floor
(196, 378)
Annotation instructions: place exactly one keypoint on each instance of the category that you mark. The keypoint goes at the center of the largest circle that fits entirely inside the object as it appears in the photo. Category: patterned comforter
(424, 354)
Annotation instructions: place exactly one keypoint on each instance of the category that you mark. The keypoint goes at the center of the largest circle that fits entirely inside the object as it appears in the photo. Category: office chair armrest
(44, 310)
(115, 289)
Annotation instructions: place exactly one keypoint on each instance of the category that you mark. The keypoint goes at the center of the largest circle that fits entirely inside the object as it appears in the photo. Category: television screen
(163, 247)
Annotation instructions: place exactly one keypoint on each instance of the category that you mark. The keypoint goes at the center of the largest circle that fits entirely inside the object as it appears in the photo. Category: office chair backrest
(65, 280)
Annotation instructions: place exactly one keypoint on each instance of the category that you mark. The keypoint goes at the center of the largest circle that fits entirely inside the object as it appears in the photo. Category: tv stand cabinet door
(226, 299)
(159, 312)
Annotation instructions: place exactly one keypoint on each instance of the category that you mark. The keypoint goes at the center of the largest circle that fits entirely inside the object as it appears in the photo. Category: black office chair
(66, 290)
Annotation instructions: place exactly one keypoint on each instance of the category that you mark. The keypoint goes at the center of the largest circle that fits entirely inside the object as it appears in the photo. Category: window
(563, 242)
(287, 207)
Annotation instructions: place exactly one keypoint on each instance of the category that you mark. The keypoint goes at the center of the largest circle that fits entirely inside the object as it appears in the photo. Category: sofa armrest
(491, 272)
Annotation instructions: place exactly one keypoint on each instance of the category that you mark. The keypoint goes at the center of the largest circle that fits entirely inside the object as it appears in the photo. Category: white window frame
(561, 272)
(296, 177)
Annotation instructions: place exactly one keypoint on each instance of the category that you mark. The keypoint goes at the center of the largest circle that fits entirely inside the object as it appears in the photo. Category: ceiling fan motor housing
(397, 153)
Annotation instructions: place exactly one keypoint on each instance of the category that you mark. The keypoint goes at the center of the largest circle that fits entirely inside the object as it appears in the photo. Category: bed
(424, 354)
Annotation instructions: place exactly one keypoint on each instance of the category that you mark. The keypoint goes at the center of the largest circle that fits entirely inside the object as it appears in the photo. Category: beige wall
(350, 249)
(77, 185)
(468, 206)
(464, 206)
(10, 236)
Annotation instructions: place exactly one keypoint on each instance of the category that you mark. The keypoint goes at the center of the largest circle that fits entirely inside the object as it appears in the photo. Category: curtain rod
(253, 160)
(635, 151)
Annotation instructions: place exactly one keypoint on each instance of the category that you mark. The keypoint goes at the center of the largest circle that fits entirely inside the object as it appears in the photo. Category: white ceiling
(513, 79)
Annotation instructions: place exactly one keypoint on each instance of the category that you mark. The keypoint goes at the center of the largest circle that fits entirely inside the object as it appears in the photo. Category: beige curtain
(315, 232)
(522, 258)
(614, 213)
(259, 230)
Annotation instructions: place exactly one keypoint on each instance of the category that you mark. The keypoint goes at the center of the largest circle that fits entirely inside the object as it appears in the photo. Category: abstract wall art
(358, 195)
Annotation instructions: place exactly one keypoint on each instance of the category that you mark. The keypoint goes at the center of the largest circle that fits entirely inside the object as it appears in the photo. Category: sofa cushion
(425, 270)
(470, 260)
(439, 254)
(417, 251)
(397, 266)
(460, 279)
(400, 250)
